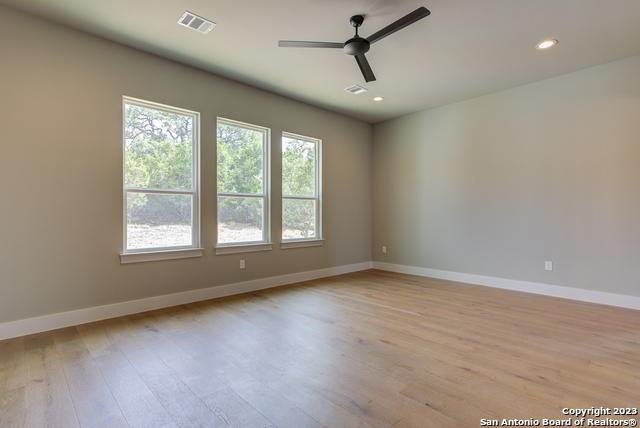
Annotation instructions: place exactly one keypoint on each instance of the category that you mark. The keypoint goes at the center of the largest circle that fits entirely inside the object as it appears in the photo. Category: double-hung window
(161, 196)
(243, 184)
(301, 188)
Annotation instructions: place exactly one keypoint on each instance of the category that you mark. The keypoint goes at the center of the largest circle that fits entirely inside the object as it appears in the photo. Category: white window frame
(265, 243)
(173, 252)
(318, 239)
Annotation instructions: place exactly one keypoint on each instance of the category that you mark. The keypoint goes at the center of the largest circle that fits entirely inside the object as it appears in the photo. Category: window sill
(152, 256)
(242, 248)
(302, 243)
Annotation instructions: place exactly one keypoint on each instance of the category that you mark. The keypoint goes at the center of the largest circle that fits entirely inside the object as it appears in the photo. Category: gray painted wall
(498, 184)
(61, 171)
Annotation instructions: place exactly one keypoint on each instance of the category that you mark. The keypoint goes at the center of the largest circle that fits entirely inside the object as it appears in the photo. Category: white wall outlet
(242, 265)
(384, 249)
(548, 265)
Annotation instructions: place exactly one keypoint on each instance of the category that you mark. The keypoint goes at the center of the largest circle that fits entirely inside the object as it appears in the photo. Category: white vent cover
(196, 23)
(355, 89)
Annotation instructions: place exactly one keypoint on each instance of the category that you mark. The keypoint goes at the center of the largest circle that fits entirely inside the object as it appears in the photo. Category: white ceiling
(464, 49)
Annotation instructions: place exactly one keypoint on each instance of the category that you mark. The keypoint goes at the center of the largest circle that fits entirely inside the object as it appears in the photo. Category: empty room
(319, 213)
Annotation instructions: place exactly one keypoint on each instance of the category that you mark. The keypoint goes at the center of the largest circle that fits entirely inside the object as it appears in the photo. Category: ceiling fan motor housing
(356, 46)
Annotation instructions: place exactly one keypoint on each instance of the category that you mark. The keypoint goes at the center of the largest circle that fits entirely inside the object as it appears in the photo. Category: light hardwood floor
(370, 349)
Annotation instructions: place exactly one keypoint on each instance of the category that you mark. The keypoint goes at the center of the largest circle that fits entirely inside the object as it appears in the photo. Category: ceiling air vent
(196, 23)
(355, 89)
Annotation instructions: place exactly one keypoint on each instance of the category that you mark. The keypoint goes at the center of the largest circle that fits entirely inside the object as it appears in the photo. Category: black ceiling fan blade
(365, 68)
(416, 15)
(303, 44)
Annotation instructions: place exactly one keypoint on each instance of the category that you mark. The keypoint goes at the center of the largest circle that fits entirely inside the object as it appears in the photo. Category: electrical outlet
(242, 265)
(384, 249)
(548, 265)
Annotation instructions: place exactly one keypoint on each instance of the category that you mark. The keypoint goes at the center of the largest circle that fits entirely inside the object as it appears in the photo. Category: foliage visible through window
(300, 188)
(243, 203)
(160, 176)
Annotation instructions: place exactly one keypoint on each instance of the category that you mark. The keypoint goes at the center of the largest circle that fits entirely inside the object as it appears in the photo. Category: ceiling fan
(357, 46)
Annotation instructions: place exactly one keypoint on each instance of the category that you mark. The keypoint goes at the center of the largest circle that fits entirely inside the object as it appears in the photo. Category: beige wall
(499, 184)
(61, 163)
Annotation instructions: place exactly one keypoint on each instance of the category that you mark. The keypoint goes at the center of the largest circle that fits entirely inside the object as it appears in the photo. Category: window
(161, 196)
(301, 188)
(243, 184)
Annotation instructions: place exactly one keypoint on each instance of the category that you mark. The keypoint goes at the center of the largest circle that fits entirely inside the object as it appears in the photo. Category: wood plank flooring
(371, 349)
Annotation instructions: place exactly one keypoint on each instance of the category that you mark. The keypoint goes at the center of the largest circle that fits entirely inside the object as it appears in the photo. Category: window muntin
(161, 162)
(243, 183)
(301, 188)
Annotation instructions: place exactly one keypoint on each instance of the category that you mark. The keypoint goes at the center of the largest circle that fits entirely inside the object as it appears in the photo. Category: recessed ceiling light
(546, 44)
(378, 99)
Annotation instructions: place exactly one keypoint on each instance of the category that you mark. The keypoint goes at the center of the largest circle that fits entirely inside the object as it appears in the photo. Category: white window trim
(318, 239)
(249, 246)
(301, 243)
(154, 256)
(174, 252)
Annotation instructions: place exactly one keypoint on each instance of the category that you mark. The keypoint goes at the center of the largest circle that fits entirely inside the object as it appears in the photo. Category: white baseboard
(96, 313)
(601, 297)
